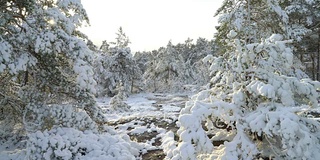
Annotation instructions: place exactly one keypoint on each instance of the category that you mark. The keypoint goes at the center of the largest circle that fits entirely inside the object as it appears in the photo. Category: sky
(150, 24)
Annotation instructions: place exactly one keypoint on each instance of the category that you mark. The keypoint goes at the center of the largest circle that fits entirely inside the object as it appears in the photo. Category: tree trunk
(313, 66)
(26, 77)
(318, 63)
(131, 86)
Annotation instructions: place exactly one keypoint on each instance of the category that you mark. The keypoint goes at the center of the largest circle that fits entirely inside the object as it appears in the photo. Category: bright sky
(150, 24)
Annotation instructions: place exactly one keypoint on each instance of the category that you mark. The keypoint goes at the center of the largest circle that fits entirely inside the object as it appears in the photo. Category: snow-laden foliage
(169, 144)
(69, 143)
(255, 19)
(44, 117)
(307, 14)
(175, 67)
(47, 84)
(44, 59)
(165, 69)
(117, 102)
(256, 103)
(113, 67)
(115, 64)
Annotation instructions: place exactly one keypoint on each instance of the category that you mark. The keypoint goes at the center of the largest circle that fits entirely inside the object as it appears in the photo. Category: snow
(207, 58)
(170, 108)
(146, 105)
(114, 144)
(83, 145)
(232, 34)
(254, 91)
(261, 88)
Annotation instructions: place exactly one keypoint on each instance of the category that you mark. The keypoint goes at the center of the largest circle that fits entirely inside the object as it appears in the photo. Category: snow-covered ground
(150, 117)
(164, 106)
(148, 120)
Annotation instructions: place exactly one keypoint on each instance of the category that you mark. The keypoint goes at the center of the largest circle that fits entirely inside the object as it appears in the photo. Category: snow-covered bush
(44, 117)
(117, 102)
(256, 103)
(169, 145)
(68, 143)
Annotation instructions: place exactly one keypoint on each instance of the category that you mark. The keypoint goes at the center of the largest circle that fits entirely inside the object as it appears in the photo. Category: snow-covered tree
(306, 16)
(42, 46)
(122, 40)
(255, 102)
(47, 83)
(143, 58)
(92, 46)
(150, 74)
(104, 46)
(172, 67)
(199, 62)
(255, 19)
(116, 64)
(163, 71)
(117, 102)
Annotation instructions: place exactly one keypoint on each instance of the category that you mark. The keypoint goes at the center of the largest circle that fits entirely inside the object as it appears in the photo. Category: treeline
(171, 68)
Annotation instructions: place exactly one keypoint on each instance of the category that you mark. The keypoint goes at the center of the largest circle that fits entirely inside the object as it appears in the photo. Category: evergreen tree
(47, 83)
(122, 40)
(296, 20)
(163, 72)
(150, 75)
(173, 67)
(45, 32)
(116, 64)
(255, 102)
(104, 46)
(306, 16)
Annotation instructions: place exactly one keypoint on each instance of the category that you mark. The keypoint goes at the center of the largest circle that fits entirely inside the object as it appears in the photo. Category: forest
(250, 92)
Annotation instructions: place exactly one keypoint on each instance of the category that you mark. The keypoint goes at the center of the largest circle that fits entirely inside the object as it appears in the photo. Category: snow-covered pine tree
(47, 83)
(252, 94)
(143, 58)
(165, 70)
(255, 19)
(296, 20)
(125, 69)
(122, 39)
(173, 67)
(150, 75)
(115, 64)
(46, 32)
(306, 16)
(255, 102)
(198, 62)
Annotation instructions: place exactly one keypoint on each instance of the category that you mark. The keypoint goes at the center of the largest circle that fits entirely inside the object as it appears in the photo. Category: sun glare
(51, 22)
